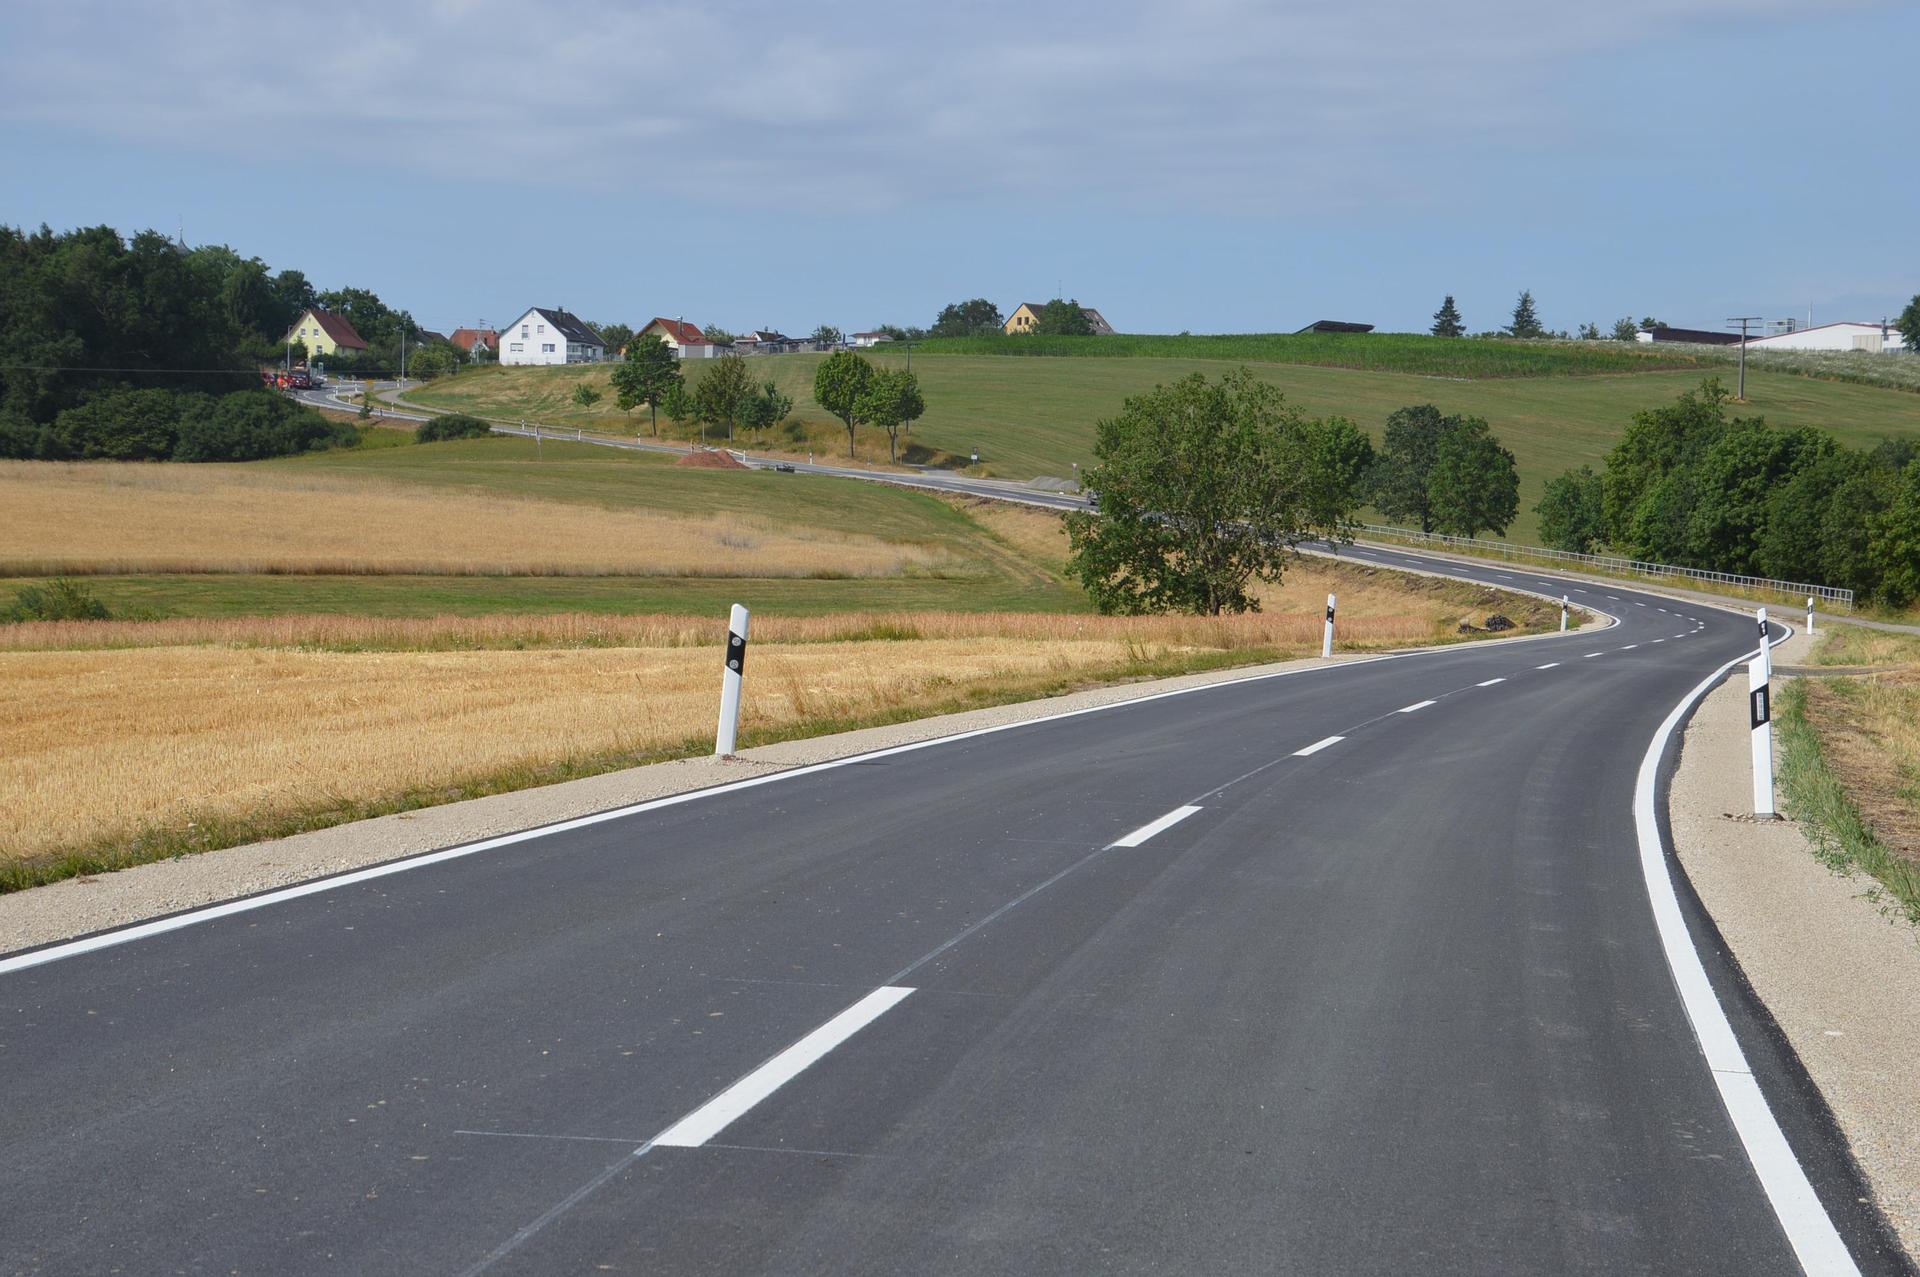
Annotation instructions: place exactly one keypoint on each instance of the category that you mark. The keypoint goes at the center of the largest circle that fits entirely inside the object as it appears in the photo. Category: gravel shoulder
(1840, 975)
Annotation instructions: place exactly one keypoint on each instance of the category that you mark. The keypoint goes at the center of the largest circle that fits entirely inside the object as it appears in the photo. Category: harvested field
(101, 518)
(176, 736)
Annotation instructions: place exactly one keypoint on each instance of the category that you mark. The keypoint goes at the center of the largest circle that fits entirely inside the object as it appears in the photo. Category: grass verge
(1841, 837)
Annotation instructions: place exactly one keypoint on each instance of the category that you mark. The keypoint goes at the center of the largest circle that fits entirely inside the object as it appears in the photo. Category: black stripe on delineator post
(1329, 611)
(736, 653)
(1758, 710)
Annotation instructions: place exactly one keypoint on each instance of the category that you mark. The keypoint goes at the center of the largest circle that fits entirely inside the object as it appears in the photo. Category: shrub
(24, 440)
(125, 425)
(454, 425)
(58, 600)
(251, 424)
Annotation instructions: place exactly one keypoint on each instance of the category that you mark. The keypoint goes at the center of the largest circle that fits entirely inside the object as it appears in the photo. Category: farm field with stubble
(299, 643)
(1034, 415)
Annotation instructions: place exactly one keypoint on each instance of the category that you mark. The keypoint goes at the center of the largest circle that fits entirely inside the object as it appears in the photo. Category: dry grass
(178, 735)
(102, 518)
(1869, 731)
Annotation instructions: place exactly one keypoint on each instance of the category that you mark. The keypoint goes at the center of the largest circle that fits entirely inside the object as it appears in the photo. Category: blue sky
(1212, 166)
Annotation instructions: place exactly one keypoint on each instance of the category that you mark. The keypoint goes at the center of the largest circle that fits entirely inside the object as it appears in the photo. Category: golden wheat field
(101, 517)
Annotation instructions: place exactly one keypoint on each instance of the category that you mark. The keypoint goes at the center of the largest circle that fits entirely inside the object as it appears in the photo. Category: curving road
(1374, 968)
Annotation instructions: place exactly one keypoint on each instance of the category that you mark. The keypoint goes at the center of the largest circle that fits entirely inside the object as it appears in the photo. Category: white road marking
(1153, 827)
(1578, 590)
(1549, 665)
(1548, 584)
(1408, 709)
(720, 1112)
(1638, 603)
(1318, 745)
(1629, 647)
(1503, 576)
(1659, 640)
(1614, 597)
(1816, 1243)
(1590, 655)
(1490, 682)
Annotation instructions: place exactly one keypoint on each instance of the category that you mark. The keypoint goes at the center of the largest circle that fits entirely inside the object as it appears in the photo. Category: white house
(869, 339)
(1872, 338)
(543, 336)
(683, 337)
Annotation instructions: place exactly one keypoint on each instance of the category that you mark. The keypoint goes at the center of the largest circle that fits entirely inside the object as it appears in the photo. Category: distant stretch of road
(1371, 968)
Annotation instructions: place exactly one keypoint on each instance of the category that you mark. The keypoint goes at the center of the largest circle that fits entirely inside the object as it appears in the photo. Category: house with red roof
(686, 339)
(474, 339)
(323, 332)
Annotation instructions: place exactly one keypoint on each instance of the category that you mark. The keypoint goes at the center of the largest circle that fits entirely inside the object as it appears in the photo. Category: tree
(722, 393)
(1446, 320)
(1342, 460)
(435, 359)
(968, 319)
(1401, 473)
(1731, 485)
(617, 336)
(909, 333)
(838, 384)
(1525, 322)
(890, 399)
(1909, 324)
(1475, 486)
(677, 402)
(1204, 488)
(1063, 319)
(1624, 329)
(1646, 480)
(765, 407)
(1570, 513)
(585, 396)
(1895, 541)
(827, 335)
(644, 374)
(1589, 332)
(1650, 323)
(123, 425)
(717, 335)
(451, 425)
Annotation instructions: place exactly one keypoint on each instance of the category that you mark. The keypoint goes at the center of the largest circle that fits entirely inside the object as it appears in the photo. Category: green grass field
(1036, 416)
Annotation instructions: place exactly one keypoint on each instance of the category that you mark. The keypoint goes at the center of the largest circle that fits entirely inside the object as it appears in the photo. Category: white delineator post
(1809, 614)
(1326, 638)
(1760, 716)
(730, 680)
(1563, 613)
(1766, 658)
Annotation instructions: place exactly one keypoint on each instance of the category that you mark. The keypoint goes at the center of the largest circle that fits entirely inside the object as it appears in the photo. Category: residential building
(476, 339)
(764, 341)
(1333, 326)
(1027, 314)
(869, 339)
(685, 338)
(323, 333)
(543, 336)
(427, 336)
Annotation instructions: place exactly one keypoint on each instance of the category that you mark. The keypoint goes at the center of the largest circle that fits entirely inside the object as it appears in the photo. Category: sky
(1212, 166)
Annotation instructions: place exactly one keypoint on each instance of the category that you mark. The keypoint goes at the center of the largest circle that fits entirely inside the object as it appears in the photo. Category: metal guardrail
(1795, 590)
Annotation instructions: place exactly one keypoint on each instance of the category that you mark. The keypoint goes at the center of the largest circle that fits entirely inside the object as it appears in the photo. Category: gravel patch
(1840, 976)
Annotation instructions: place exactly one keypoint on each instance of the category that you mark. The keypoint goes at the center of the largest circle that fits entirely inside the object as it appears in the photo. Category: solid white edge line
(209, 913)
(720, 1112)
(1490, 682)
(1318, 745)
(1408, 709)
(1815, 1241)
(1153, 827)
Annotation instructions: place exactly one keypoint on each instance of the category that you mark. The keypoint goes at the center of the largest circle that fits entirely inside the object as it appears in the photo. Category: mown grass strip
(1840, 837)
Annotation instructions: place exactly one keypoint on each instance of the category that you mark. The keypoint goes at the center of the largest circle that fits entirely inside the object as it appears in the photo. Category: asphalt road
(1393, 1002)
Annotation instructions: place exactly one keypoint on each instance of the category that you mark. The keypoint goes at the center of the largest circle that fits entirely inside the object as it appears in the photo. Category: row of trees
(1525, 322)
(1204, 486)
(1691, 484)
(173, 425)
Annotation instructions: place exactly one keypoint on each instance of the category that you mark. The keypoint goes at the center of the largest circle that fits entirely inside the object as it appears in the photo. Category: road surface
(1357, 970)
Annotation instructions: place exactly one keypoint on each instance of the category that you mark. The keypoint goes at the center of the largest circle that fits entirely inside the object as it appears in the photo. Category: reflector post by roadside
(1809, 614)
(1565, 602)
(1760, 718)
(732, 677)
(1326, 637)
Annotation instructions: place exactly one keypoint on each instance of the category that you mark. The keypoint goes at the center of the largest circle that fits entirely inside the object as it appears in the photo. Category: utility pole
(1744, 321)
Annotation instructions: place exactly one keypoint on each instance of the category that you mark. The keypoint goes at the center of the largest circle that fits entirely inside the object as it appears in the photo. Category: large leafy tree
(1475, 486)
(1525, 321)
(1624, 329)
(838, 384)
(1446, 320)
(1895, 537)
(1909, 324)
(617, 336)
(827, 335)
(1203, 488)
(1646, 478)
(890, 400)
(1731, 486)
(644, 375)
(1063, 319)
(1570, 514)
(766, 407)
(721, 394)
(1404, 468)
(968, 319)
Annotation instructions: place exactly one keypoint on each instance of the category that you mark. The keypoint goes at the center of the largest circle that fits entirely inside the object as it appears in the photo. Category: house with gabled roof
(323, 333)
(684, 337)
(476, 339)
(1027, 314)
(550, 336)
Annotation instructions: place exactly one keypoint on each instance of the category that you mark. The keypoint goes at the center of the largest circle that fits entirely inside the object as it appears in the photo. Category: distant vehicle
(1093, 498)
(786, 468)
(299, 380)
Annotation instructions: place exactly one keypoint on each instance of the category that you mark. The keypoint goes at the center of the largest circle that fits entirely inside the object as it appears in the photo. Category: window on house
(543, 328)
(547, 349)
(523, 330)
(516, 348)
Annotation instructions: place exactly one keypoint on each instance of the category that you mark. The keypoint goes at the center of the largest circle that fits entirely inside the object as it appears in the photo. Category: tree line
(1693, 485)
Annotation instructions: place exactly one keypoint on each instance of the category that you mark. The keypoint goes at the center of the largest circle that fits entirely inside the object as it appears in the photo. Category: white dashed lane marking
(1318, 745)
(1408, 709)
(1490, 682)
(1549, 665)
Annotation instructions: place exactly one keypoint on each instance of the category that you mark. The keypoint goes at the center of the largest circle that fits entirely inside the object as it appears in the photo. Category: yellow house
(324, 333)
(1027, 314)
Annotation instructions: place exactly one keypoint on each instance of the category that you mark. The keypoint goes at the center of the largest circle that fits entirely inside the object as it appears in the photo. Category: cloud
(830, 108)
